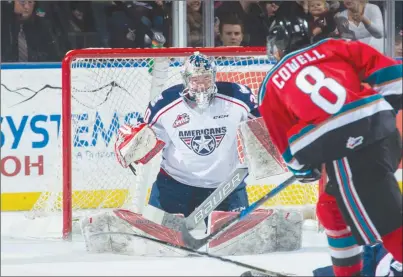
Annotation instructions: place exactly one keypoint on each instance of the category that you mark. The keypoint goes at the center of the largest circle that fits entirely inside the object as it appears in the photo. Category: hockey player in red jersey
(318, 110)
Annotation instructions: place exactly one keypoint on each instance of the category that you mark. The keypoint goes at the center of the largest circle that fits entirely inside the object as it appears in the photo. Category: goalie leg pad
(125, 221)
(263, 231)
(105, 222)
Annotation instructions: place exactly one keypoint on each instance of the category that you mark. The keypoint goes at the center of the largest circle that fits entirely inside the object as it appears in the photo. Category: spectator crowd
(43, 31)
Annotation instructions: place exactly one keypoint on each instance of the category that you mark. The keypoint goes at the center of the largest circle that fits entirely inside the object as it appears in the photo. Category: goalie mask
(199, 80)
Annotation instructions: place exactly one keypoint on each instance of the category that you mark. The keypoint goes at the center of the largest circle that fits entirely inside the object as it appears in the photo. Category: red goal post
(115, 85)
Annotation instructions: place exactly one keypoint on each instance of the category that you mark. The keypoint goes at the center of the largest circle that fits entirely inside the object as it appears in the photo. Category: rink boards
(295, 195)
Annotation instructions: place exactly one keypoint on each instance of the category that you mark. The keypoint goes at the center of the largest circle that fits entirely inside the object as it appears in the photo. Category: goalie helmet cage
(116, 85)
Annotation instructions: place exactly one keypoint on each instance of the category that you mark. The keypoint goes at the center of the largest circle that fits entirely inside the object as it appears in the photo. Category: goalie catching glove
(136, 144)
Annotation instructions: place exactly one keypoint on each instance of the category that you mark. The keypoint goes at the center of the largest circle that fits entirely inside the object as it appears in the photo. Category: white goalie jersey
(201, 148)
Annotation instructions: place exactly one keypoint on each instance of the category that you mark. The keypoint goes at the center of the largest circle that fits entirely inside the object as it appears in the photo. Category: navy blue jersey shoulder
(164, 99)
(239, 92)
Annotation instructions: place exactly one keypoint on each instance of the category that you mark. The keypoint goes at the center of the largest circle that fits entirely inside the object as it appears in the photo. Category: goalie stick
(253, 273)
(203, 210)
(197, 243)
(133, 169)
(201, 253)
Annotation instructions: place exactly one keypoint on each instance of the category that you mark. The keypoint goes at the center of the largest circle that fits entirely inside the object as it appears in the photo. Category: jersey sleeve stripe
(309, 135)
(164, 110)
(385, 75)
(287, 156)
(262, 90)
(391, 88)
(291, 161)
(234, 101)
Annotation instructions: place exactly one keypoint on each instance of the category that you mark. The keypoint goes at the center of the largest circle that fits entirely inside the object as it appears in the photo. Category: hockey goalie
(195, 125)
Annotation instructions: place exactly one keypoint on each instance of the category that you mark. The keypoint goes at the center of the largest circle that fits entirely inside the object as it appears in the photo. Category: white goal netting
(106, 89)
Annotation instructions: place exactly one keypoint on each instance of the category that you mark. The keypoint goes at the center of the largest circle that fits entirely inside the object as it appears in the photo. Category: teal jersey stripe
(262, 90)
(386, 74)
(346, 108)
(351, 201)
(341, 242)
(287, 156)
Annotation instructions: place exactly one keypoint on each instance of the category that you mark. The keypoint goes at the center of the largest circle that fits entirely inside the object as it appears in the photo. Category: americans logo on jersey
(203, 142)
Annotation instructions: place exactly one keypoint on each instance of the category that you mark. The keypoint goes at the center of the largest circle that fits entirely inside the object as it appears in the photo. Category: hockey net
(104, 88)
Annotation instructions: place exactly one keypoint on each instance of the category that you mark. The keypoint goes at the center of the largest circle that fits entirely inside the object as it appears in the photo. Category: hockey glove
(306, 174)
(136, 144)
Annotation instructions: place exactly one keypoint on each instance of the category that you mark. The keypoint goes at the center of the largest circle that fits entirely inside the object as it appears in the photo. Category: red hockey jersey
(317, 108)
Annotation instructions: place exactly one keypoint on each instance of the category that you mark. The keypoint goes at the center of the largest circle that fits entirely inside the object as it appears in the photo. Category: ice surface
(22, 255)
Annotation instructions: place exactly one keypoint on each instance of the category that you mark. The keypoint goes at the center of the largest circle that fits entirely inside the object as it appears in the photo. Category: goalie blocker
(263, 231)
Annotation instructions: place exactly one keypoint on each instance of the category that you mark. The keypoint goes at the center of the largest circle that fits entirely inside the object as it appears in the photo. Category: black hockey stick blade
(133, 169)
(194, 243)
(200, 253)
(254, 273)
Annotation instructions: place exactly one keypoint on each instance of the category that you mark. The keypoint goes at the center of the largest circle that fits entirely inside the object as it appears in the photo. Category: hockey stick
(197, 243)
(204, 209)
(200, 253)
(133, 169)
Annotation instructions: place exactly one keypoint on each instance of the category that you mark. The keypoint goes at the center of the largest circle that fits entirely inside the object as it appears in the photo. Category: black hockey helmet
(287, 34)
